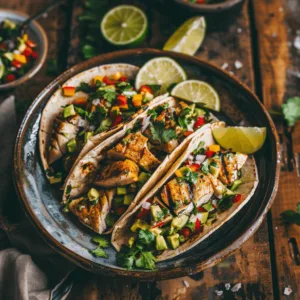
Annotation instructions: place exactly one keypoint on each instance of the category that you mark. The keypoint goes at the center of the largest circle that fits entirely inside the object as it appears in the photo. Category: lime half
(197, 92)
(2, 68)
(188, 37)
(163, 71)
(124, 25)
(240, 139)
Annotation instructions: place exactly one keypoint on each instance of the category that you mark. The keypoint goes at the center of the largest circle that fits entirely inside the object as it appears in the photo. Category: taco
(205, 188)
(87, 109)
(115, 175)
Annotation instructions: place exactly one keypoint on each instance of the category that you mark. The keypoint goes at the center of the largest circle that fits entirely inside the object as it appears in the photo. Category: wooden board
(278, 25)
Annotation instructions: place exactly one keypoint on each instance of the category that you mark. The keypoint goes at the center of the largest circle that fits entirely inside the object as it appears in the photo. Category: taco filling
(123, 168)
(107, 102)
(194, 197)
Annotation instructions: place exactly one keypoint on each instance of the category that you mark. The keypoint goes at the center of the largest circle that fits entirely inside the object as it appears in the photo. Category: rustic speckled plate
(42, 203)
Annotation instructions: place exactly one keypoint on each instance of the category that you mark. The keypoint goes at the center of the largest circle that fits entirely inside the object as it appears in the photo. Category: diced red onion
(96, 102)
(200, 157)
(191, 157)
(214, 202)
(82, 123)
(146, 205)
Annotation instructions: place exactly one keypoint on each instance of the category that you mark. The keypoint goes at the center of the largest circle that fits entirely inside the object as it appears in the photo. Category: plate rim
(142, 275)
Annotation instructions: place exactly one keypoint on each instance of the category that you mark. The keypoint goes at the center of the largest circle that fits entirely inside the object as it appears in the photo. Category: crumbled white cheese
(186, 284)
(238, 64)
(219, 293)
(225, 66)
(227, 286)
(236, 287)
(287, 291)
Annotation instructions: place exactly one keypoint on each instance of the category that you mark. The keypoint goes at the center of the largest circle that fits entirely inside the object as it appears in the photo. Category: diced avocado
(128, 199)
(156, 212)
(179, 222)
(139, 224)
(69, 111)
(143, 178)
(156, 231)
(229, 193)
(199, 112)
(93, 194)
(72, 146)
(161, 243)
(9, 56)
(208, 206)
(236, 184)
(202, 217)
(182, 171)
(9, 24)
(131, 242)
(214, 170)
(121, 190)
(87, 135)
(174, 240)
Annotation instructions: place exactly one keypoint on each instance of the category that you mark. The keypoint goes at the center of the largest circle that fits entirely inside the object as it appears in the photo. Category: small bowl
(37, 34)
(210, 8)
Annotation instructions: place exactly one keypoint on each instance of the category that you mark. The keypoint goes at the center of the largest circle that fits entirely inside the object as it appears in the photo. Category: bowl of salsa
(21, 55)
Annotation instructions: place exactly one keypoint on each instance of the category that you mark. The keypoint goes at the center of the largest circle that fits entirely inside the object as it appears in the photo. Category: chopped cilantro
(102, 243)
(225, 203)
(161, 134)
(205, 167)
(188, 176)
(290, 216)
(99, 252)
(85, 87)
(200, 149)
(291, 110)
(104, 125)
(146, 260)
(152, 113)
(145, 237)
(109, 95)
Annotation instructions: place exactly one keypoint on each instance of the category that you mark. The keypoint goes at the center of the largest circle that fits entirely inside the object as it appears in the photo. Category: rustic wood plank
(277, 24)
(225, 44)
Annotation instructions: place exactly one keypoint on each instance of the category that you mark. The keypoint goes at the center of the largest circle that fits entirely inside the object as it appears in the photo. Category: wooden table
(260, 36)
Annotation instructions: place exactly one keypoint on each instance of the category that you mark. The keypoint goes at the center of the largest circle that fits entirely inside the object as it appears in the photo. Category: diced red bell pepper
(117, 120)
(197, 225)
(9, 78)
(30, 43)
(187, 163)
(200, 1)
(80, 101)
(27, 52)
(186, 232)
(145, 89)
(194, 167)
(143, 213)
(108, 81)
(69, 91)
(3, 46)
(122, 100)
(123, 79)
(159, 224)
(34, 55)
(120, 210)
(201, 209)
(209, 153)
(237, 198)
(187, 133)
(199, 122)
(16, 64)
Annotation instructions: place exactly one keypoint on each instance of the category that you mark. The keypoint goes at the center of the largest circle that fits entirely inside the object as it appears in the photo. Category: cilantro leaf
(161, 134)
(99, 252)
(152, 113)
(101, 241)
(200, 149)
(145, 237)
(291, 110)
(85, 87)
(109, 95)
(189, 176)
(205, 167)
(146, 261)
(225, 203)
(104, 125)
(184, 117)
(291, 216)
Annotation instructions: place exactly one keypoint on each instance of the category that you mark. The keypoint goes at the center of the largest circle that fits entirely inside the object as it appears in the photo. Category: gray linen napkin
(33, 271)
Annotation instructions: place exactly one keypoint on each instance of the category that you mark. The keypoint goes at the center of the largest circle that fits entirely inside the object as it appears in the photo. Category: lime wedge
(240, 139)
(124, 25)
(163, 71)
(2, 68)
(197, 92)
(188, 37)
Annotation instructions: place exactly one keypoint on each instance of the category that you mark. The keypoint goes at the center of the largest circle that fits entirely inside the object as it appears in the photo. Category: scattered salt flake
(239, 30)
(225, 66)
(227, 286)
(287, 291)
(238, 64)
(219, 293)
(186, 284)
(236, 287)
(281, 9)
(297, 42)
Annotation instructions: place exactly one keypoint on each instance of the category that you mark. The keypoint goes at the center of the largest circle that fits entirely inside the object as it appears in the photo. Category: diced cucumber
(72, 145)
(128, 199)
(69, 111)
(174, 240)
(156, 213)
(121, 190)
(202, 217)
(143, 178)
(236, 184)
(161, 243)
(208, 206)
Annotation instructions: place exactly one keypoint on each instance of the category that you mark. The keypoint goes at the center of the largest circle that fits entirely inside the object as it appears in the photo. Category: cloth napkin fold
(29, 268)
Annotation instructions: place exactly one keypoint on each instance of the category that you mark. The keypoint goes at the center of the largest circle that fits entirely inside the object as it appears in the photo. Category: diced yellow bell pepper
(117, 76)
(115, 110)
(97, 78)
(123, 106)
(214, 148)
(69, 91)
(137, 100)
(25, 37)
(20, 58)
(178, 173)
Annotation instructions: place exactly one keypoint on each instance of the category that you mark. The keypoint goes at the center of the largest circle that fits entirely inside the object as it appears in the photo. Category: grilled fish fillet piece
(148, 161)
(202, 190)
(218, 187)
(67, 129)
(180, 195)
(234, 162)
(165, 196)
(159, 206)
(118, 173)
(62, 142)
(218, 160)
(92, 216)
(54, 152)
(240, 159)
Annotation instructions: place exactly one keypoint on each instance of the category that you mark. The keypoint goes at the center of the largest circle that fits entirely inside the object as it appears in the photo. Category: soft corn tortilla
(122, 233)
(57, 101)
(79, 183)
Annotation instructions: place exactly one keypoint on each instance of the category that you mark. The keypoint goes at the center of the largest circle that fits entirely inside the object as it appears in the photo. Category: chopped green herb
(161, 134)
(99, 252)
(102, 243)
(291, 110)
(85, 87)
(205, 167)
(145, 237)
(290, 216)
(152, 113)
(104, 125)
